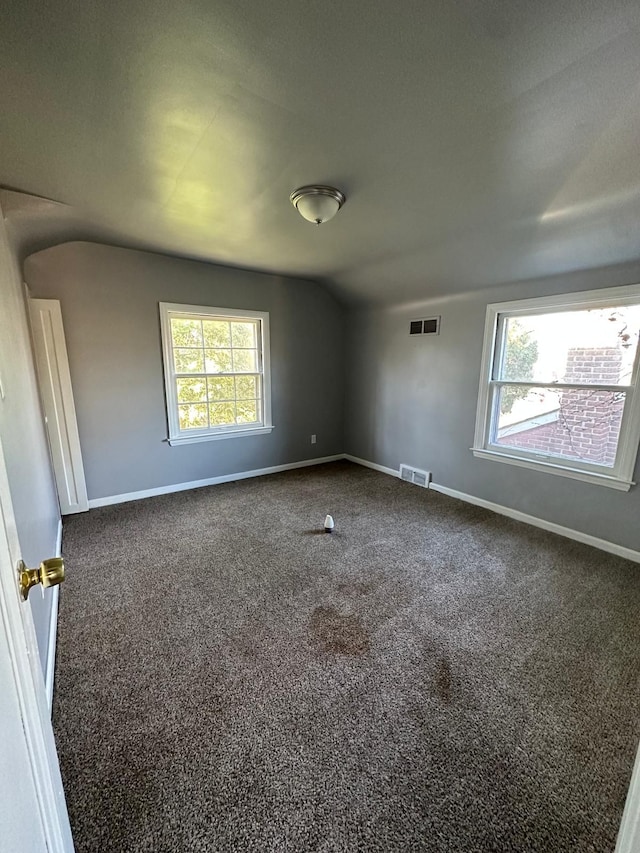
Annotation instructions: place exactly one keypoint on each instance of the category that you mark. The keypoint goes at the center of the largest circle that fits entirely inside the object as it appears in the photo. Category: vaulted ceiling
(477, 141)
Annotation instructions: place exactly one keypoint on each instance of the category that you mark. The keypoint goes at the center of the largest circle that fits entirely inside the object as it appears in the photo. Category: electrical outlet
(313, 439)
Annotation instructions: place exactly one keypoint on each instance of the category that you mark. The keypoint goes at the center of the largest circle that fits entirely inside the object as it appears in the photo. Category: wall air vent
(426, 326)
(415, 475)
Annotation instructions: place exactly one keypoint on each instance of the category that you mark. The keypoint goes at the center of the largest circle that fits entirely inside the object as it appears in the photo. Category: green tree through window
(520, 357)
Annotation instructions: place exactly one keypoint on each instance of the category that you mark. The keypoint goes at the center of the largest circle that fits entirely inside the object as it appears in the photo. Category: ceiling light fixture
(317, 204)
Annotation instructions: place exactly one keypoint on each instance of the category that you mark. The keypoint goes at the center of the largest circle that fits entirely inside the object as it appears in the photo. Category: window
(216, 368)
(559, 385)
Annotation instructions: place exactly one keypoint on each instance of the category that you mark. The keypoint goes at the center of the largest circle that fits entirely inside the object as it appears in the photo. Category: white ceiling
(477, 141)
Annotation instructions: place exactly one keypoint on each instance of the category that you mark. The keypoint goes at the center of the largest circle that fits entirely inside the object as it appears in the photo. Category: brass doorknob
(50, 573)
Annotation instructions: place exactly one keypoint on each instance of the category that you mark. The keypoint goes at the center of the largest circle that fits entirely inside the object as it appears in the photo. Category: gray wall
(406, 400)
(110, 299)
(414, 400)
(23, 438)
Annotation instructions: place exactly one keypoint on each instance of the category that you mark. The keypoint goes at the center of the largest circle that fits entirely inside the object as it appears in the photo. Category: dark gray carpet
(432, 677)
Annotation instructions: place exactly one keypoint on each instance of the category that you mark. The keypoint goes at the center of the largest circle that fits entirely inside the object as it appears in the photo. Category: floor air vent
(415, 475)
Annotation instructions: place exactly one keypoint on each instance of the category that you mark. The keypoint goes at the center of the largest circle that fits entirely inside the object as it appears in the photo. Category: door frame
(56, 396)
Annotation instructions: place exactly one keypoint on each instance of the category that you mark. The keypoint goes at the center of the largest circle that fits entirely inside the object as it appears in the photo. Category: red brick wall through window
(588, 421)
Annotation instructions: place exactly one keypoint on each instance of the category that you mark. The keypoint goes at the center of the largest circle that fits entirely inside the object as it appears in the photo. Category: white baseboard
(51, 649)
(59, 539)
(576, 535)
(50, 667)
(210, 481)
(629, 833)
(367, 464)
(567, 532)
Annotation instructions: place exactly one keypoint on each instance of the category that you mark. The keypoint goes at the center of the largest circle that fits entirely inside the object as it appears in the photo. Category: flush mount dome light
(317, 204)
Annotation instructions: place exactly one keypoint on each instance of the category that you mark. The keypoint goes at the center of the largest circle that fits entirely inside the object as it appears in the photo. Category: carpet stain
(338, 633)
(444, 680)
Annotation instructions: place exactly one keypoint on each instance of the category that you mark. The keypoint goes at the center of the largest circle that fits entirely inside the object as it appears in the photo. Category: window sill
(217, 436)
(553, 468)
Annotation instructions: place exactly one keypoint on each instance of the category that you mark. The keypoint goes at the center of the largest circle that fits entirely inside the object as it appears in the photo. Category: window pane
(217, 360)
(192, 390)
(245, 361)
(216, 333)
(247, 412)
(580, 424)
(193, 416)
(221, 388)
(221, 414)
(186, 333)
(243, 335)
(188, 360)
(595, 347)
(246, 387)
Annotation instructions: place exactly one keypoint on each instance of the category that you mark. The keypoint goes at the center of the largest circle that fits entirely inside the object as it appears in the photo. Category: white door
(629, 834)
(33, 813)
(54, 380)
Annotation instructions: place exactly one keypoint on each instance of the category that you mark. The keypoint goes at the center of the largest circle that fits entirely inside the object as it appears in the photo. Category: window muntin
(559, 381)
(216, 371)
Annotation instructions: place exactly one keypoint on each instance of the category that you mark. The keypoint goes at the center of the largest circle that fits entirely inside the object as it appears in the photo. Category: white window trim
(621, 475)
(176, 436)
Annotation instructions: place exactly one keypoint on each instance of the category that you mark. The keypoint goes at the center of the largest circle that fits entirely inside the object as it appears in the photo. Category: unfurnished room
(319, 427)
